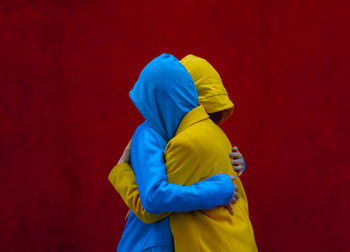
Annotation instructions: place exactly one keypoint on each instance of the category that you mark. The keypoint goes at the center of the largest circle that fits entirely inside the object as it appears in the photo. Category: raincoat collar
(195, 115)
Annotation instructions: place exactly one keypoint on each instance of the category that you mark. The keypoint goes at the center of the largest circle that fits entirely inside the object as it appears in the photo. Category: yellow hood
(211, 92)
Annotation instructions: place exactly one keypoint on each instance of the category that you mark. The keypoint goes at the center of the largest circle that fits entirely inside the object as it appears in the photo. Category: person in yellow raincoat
(199, 150)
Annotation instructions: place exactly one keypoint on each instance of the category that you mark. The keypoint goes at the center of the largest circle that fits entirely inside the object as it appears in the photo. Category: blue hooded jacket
(164, 94)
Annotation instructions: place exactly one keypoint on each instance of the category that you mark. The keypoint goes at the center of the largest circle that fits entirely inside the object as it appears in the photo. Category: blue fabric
(164, 94)
(138, 236)
(243, 165)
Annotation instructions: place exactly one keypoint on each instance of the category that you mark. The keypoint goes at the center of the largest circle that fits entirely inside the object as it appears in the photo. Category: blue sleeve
(156, 194)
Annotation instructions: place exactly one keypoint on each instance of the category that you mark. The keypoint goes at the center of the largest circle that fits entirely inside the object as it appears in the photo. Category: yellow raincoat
(199, 150)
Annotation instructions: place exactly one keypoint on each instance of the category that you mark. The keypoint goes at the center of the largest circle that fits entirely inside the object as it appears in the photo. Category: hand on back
(126, 154)
(237, 161)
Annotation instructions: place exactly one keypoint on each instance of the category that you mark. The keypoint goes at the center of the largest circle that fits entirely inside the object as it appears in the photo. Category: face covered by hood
(211, 92)
(164, 94)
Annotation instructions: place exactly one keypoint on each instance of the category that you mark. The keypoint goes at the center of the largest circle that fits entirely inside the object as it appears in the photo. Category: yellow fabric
(211, 92)
(199, 150)
(123, 180)
(215, 229)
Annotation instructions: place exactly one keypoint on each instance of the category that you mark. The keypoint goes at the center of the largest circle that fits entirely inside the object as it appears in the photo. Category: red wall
(65, 71)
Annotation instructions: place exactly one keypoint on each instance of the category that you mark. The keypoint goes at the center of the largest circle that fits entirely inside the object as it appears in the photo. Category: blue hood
(164, 94)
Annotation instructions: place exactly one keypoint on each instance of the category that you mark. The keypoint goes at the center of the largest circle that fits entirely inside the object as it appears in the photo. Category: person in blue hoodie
(164, 94)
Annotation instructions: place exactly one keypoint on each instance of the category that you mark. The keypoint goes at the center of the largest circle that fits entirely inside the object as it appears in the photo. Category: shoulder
(181, 143)
(144, 129)
(147, 147)
(146, 134)
(199, 134)
(204, 137)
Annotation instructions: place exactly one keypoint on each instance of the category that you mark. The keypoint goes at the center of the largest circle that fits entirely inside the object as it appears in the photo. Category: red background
(65, 71)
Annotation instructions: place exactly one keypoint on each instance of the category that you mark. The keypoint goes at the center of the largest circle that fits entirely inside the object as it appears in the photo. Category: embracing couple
(178, 175)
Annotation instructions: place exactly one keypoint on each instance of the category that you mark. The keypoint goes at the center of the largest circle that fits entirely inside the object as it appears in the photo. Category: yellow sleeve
(123, 180)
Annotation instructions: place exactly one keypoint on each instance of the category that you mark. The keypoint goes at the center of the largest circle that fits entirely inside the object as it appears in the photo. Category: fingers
(235, 155)
(233, 177)
(235, 197)
(127, 215)
(237, 161)
(236, 187)
(237, 164)
(233, 200)
(229, 208)
(129, 145)
(238, 168)
(128, 148)
(126, 154)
